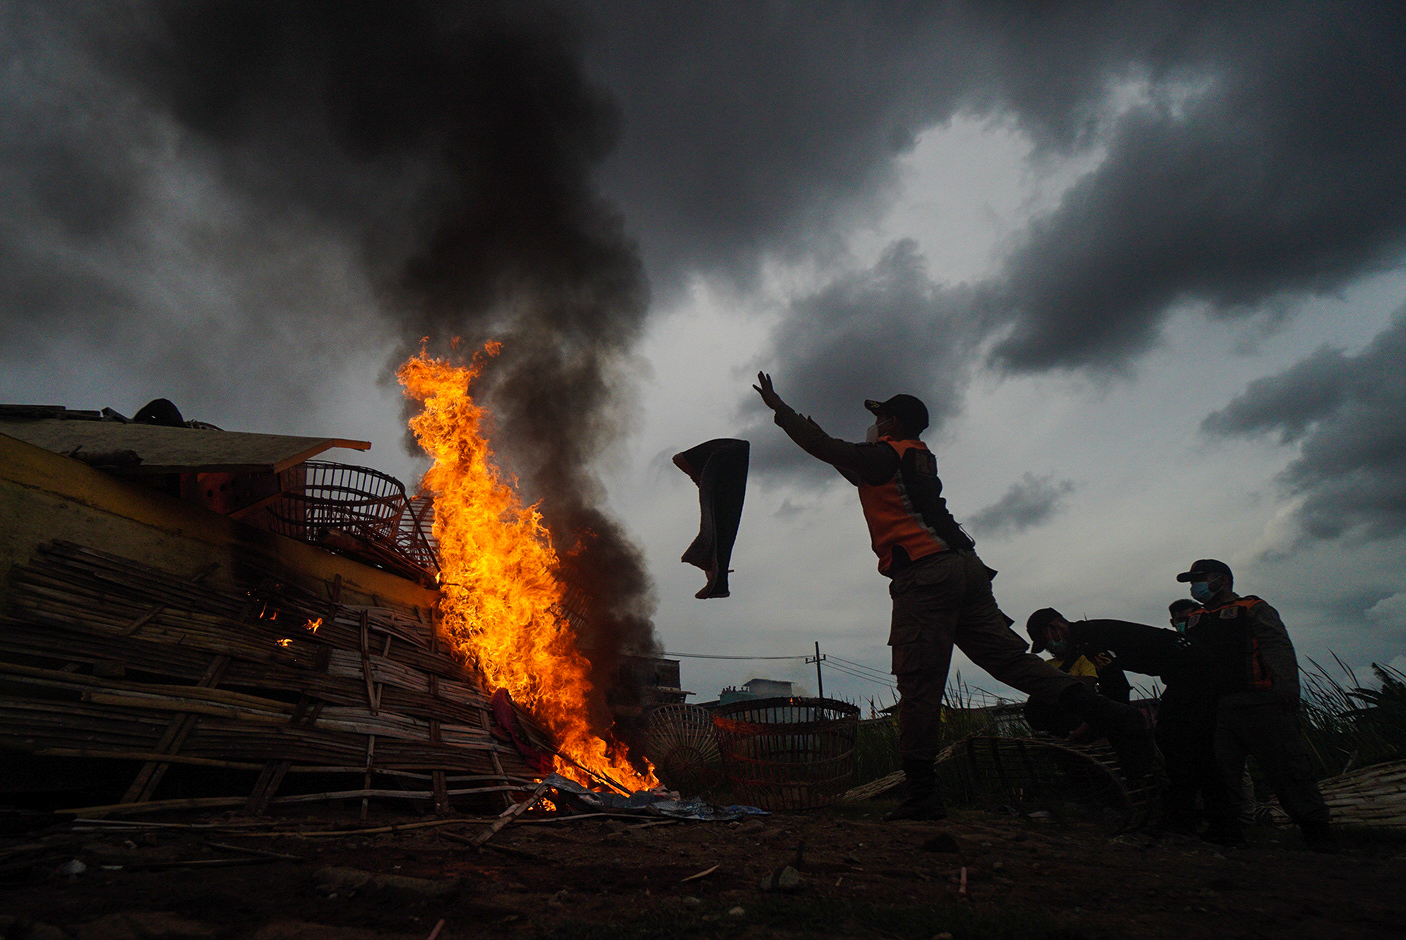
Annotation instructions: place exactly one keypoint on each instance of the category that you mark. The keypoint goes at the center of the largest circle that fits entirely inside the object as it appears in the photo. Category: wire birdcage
(319, 497)
(683, 743)
(788, 753)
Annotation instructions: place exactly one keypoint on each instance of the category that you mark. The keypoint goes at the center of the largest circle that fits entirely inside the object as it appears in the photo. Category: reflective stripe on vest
(892, 517)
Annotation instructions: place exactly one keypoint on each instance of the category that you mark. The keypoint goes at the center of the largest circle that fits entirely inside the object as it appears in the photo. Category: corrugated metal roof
(170, 449)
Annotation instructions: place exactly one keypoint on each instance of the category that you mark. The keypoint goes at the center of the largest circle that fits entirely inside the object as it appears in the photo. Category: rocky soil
(840, 872)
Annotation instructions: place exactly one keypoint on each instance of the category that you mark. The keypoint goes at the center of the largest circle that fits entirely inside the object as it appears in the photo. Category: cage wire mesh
(320, 496)
(787, 753)
(683, 744)
(994, 771)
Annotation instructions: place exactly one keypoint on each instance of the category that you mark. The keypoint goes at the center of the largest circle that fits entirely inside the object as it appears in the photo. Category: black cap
(912, 412)
(1203, 566)
(1038, 627)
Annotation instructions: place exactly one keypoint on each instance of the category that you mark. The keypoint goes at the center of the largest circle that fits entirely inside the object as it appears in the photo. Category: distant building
(657, 680)
(755, 689)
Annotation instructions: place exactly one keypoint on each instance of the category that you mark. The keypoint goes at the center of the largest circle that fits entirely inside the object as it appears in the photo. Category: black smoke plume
(456, 142)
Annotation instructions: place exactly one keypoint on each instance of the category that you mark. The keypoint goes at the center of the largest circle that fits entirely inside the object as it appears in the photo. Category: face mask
(1201, 591)
(871, 436)
(1060, 648)
(1180, 625)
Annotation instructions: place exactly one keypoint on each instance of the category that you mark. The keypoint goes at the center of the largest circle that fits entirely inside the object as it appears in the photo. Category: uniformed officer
(1256, 676)
(941, 594)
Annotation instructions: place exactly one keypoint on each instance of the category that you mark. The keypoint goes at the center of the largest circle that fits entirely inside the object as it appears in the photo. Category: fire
(500, 594)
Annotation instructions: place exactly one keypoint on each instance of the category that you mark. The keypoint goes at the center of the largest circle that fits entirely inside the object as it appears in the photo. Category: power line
(861, 666)
(860, 675)
(711, 656)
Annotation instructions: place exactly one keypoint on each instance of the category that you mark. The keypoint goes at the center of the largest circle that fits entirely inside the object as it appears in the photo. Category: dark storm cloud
(1247, 154)
(54, 192)
(750, 130)
(1347, 416)
(873, 334)
(1267, 162)
(121, 262)
(1030, 502)
(755, 131)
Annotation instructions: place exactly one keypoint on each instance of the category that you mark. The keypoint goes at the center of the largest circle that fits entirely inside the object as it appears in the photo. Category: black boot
(923, 800)
(1122, 724)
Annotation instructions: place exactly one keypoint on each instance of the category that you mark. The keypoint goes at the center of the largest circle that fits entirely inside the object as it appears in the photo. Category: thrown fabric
(508, 730)
(719, 468)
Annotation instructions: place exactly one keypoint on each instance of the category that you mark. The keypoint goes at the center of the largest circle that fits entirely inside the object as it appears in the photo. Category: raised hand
(764, 389)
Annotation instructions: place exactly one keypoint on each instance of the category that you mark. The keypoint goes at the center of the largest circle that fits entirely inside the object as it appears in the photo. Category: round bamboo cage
(787, 753)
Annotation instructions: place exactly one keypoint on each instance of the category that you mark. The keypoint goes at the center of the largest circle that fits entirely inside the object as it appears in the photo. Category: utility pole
(819, 680)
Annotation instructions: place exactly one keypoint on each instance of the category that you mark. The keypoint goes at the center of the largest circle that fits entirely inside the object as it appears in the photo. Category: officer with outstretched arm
(941, 594)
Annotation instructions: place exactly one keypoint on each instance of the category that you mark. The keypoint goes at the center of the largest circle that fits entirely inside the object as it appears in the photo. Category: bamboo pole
(509, 814)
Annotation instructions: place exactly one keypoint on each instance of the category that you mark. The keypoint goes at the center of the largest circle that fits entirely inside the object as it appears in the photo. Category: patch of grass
(777, 916)
(875, 749)
(1348, 724)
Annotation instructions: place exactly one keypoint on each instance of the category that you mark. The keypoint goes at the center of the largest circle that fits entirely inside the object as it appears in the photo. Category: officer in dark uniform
(1180, 609)
(1186, 714)
(1256, 675)
(1100, 668)
(941, 594)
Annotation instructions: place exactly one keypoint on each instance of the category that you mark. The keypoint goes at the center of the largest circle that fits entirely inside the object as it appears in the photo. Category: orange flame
(500, 594)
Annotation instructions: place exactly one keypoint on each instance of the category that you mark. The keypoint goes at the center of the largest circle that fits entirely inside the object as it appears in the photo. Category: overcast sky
(1143, 261)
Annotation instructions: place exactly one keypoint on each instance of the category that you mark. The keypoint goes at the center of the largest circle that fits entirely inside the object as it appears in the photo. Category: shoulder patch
(924, 463)
(1229, 612)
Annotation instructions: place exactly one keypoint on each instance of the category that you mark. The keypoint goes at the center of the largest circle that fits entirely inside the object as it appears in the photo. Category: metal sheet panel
(173, 450)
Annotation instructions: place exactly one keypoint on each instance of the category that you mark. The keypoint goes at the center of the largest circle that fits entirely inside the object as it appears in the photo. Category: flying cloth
(719, 467)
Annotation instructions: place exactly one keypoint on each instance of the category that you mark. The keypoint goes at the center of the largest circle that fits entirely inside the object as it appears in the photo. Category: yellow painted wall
(44, 496)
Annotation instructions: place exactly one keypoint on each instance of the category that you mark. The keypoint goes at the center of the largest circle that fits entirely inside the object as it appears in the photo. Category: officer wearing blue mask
(1179, 610)
(1255, 674)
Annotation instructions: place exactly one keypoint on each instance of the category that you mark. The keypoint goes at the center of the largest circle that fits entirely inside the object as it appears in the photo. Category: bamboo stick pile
(283, 686)
(1371, 797)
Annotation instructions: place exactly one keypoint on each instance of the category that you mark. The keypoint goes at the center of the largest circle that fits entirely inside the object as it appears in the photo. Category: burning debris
(501, 591)
(202, 659)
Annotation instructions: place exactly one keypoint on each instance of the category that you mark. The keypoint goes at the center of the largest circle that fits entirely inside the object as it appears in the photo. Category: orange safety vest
(1225, 632)
(907, 511)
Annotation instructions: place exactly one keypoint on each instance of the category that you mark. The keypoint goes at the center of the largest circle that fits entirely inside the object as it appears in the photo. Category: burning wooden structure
(200, 618)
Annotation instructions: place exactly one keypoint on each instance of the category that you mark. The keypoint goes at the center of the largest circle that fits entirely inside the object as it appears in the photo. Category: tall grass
(1349, 724)
(966, 711)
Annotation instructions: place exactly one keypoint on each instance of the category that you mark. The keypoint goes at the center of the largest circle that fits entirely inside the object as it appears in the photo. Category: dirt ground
(838, 872)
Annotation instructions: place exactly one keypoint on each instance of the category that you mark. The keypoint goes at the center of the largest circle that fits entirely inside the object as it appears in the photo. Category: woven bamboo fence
(288, 692)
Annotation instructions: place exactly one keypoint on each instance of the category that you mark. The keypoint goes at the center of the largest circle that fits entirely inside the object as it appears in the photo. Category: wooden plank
(149, 777)
(366, 785)
(83, 607)
(269, 780)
